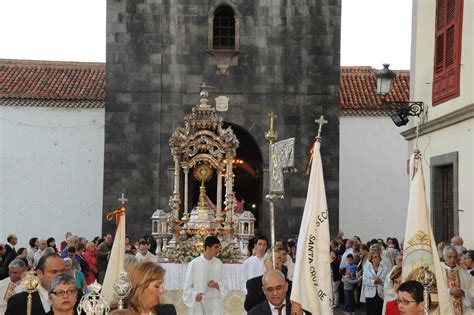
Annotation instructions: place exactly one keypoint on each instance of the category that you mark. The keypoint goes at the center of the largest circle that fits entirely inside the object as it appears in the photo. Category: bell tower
(264, 56)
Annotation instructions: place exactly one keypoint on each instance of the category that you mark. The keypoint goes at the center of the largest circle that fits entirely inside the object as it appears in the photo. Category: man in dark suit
(275, 288)
(10, 254)
(255, 295)
(48, 267)
(12, 240)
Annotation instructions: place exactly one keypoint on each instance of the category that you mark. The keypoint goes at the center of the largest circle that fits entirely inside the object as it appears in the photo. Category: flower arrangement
(193, 247)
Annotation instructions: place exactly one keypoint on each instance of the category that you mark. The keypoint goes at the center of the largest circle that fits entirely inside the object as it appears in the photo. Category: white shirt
(148, 256)
(36, 257)
(253, 267)
(343, 264)
(290, 265)
(275, 311)
(43, 293)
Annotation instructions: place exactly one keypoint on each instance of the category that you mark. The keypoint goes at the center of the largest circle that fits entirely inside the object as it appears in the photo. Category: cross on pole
(122, 199)
(321, 121)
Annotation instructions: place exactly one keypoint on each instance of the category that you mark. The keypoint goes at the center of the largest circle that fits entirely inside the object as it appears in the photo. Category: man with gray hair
(255, 295)
(459, 282)
(8, 285)
(274, 286)
(49, 266)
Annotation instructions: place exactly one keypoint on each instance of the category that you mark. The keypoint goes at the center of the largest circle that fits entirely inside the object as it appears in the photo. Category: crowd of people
(365, 276)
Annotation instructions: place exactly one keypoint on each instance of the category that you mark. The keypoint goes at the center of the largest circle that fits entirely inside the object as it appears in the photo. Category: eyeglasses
(273, 289)
(62, 293)
(405, 302)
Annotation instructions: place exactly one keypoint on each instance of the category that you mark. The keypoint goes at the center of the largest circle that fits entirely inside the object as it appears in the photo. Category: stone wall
(156, 57)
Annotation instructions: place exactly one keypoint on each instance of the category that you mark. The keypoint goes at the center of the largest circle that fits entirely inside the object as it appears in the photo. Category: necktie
(279, 308)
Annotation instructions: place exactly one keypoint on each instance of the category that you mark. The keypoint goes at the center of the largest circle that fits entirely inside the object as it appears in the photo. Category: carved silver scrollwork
(283, 158)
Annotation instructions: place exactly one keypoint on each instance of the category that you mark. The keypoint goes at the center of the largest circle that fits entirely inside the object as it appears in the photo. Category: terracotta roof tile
(58, 80)
(52, 80)
(358, 91)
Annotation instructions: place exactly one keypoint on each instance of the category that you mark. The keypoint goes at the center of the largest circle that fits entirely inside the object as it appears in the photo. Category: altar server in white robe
(204, 286)
(254, 265)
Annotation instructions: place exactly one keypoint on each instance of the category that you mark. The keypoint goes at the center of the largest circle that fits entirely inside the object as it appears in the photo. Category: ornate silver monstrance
(201, 146)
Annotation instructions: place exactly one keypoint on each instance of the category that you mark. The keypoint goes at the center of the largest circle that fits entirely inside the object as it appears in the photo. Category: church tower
(263, 55)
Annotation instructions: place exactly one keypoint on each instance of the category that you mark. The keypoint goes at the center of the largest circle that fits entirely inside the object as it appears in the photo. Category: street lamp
(402, 109)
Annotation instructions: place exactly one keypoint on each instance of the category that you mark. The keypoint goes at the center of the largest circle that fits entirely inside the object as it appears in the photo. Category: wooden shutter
(447, 54)
(447, 201)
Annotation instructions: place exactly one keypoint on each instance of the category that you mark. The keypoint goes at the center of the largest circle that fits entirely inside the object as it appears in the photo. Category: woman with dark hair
(32, 249)
(22, 254)
(410, 298)
(62, 295)
(51, 242)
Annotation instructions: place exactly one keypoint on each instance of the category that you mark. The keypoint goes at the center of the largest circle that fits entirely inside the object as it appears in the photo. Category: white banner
(312, 276)
(420, 247)
(115, 265)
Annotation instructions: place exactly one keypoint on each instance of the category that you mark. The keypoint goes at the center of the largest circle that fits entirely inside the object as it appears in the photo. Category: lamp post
(402, 109)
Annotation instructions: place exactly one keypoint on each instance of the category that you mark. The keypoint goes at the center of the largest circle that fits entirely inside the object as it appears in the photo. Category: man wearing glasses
(49, 266)
(274, 287)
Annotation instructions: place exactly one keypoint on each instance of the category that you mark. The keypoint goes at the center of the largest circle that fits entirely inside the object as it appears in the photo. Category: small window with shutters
(447, 59)
(447, 201)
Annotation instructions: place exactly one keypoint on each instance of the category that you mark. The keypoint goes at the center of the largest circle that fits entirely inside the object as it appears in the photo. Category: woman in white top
(373, 279)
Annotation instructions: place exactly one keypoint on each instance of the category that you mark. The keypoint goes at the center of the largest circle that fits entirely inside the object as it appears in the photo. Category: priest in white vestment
(459, 282)
(8, 285)
(204, 286)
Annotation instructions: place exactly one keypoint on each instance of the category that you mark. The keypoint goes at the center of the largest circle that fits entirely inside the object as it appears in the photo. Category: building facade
(442, 66)
(373, 157)
(52, 149)
(263, 55)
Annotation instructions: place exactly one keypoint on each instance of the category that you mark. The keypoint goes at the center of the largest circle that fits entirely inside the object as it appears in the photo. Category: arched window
(223, 36)
(224, 28)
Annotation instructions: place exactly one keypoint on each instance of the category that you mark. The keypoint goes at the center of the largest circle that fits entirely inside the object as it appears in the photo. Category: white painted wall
(373, 191)
(51, 172)
(455, 138)
(458, 138)
(421, 76)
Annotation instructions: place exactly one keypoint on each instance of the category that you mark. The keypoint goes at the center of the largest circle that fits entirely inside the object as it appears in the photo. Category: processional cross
(321, 121)
(122, 199)
(281, 157)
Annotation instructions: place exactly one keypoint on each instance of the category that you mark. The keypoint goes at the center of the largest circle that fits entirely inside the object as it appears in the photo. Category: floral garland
(194, 246)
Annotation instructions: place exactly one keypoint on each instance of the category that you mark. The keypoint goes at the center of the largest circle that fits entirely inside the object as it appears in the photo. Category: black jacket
(264, 309)
(17, 304)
